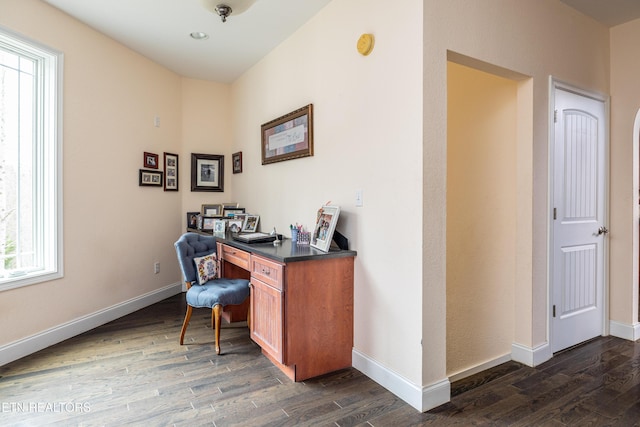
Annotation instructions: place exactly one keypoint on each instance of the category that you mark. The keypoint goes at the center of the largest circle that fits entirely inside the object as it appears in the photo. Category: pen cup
(294, 234)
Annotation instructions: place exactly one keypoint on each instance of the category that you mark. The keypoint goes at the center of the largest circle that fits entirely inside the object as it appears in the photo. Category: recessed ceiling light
(197, 35)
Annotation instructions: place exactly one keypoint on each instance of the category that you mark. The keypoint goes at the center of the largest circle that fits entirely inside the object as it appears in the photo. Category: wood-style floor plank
(133, 372)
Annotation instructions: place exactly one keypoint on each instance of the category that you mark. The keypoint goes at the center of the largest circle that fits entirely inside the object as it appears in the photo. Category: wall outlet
(156, 267)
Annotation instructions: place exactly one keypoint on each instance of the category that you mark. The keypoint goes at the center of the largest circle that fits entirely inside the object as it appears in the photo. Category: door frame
(555, 84)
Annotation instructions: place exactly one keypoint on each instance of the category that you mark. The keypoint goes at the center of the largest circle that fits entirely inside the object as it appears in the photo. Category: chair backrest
(190, 246)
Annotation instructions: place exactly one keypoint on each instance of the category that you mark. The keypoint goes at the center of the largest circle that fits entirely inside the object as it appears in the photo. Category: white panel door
(579, 229)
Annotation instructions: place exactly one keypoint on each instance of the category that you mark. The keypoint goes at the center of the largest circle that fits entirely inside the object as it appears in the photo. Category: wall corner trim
(421, 398)
(29, 345)
(531, 356)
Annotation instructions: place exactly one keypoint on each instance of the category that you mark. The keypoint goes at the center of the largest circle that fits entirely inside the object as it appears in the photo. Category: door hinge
(554, 310)
(555, 213)
(555, 116)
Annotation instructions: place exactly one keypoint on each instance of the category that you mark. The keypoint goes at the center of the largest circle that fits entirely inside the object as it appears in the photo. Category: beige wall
(481, 216)
(380, 127)
(368, 136)
(536, 39)
(625, 102)
(206, 129)
(114, 230)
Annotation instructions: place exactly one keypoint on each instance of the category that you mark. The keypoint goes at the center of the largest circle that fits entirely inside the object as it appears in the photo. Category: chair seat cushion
(218, 291)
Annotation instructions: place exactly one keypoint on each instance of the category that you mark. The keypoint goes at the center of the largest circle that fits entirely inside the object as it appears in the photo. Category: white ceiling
(159, 29)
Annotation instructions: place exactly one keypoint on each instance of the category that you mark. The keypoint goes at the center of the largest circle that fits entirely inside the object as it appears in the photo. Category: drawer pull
(266, 272)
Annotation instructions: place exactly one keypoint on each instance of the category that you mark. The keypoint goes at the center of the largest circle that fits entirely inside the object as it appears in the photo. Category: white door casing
(579, 228)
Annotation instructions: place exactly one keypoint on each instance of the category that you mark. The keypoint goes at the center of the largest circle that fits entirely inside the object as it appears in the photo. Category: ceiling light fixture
(224, 10)
(198, 35)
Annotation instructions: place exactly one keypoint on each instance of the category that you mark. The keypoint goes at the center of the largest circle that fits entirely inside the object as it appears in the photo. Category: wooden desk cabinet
(301, 304)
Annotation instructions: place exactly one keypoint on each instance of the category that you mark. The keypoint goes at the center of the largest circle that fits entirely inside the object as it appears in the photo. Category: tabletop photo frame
(326, 222)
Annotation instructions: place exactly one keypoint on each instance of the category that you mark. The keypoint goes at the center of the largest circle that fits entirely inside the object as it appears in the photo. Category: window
(30, 160)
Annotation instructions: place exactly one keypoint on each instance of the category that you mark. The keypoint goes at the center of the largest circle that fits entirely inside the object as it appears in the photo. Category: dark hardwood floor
(133, 372)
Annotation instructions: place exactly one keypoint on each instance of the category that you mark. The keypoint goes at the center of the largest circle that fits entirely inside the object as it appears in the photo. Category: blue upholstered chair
(222, 296)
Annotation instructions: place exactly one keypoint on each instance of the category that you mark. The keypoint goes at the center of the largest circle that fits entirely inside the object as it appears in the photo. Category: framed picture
(150, 178)
(236, 159)
(192, 220)
(219, 226)
(207, 223)
(150, 160)
(231, 212)
(325, 226)
(230, 205)
(235, 225)
(207, 172)
(170, 172)
(288, 137)
(250, 223)
(211, 210)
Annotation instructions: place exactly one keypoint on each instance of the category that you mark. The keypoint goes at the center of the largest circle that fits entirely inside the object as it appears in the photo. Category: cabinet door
(266, 318)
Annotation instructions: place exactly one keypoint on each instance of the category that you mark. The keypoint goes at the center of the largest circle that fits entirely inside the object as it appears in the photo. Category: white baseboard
(531, 356)
(25, 346)
(482, 367)
(421, 398)
(624, 331)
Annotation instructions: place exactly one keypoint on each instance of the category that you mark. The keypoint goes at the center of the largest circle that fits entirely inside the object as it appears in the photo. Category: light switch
(359, 200)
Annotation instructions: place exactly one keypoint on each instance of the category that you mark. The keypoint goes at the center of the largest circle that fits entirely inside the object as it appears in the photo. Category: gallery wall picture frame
(326, 221)
(170, 172)
(236, 159)
(147, 178)
(192, 220)
(207, 172)
(250, 224)
(211, 210)
(288, 137)
(150, 160)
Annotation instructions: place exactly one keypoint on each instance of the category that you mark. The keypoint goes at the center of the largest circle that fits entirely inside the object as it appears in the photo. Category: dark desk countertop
(287, 251)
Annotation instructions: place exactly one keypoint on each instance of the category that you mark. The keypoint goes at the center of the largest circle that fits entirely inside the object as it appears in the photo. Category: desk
(301, 303)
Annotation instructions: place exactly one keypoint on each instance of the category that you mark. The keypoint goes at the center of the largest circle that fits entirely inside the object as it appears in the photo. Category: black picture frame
(207, 172)
(170, 172)
(147, 178)
(236, 160)
(192, 220)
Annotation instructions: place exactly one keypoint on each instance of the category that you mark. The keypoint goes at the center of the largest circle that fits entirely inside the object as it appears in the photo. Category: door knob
(603, 230)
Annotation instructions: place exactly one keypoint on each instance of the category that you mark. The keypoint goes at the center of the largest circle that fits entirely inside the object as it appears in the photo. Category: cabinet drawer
(268, 271)
(234, 256)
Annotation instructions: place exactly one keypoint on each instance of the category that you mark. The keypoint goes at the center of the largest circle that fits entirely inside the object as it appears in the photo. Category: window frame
(49, 128)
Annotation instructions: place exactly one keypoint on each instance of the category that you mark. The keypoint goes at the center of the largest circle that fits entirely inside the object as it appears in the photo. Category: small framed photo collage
(155, 176)
(223, 217)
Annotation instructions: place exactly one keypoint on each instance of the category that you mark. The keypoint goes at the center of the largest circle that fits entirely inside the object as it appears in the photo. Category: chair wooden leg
(187, 317)
(215, 324)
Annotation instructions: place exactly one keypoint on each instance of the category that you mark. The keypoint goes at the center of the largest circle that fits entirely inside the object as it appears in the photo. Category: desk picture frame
(192, 220)
(207, 172)
(288, 137)
(250, 224)
(326, 222)
(214, 210)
